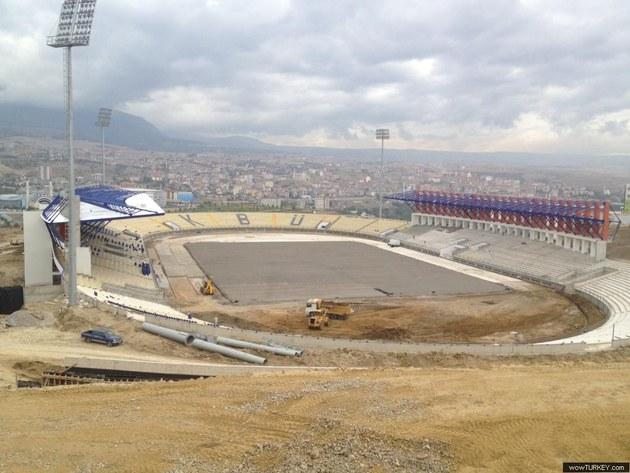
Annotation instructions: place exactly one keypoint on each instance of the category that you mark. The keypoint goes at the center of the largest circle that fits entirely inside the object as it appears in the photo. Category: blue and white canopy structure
(99, 206)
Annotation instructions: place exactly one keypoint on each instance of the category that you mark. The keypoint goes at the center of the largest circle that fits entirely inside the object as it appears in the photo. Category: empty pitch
(268, 272)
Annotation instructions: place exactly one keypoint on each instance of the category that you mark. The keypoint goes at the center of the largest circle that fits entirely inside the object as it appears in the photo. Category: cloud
(455, 74)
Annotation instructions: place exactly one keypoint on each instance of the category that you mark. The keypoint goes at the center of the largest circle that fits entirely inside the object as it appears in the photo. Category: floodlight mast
(73, 29)
(381, 134)
(103, 120)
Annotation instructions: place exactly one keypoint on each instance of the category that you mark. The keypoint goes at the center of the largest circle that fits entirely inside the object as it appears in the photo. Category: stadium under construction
(135, 256)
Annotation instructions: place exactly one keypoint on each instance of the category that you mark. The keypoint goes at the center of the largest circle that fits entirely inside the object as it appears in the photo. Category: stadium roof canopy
(103, 203)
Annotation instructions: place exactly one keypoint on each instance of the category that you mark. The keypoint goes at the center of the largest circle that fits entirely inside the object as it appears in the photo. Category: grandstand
(516, 255)
(108, 258)
(580, 226)
(176, 222)
(611, 292)
(121, 264)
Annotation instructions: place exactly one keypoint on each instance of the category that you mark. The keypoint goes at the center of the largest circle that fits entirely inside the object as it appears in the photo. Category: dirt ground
(11, 257)
(532, 316)
(447, 413)
(58, 337)
(501, 419)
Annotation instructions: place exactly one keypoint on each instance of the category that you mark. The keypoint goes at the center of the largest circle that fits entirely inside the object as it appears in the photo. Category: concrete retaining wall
(183, 369)
(41, 293)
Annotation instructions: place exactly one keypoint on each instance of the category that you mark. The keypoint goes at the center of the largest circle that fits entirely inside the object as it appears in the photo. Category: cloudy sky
(486, 75)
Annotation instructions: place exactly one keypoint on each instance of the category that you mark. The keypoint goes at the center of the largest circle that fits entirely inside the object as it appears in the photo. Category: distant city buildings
(233, 179)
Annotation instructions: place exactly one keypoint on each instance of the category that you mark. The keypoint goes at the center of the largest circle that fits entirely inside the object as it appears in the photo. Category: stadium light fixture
(73, 29)
(103, 119)
(381, 134)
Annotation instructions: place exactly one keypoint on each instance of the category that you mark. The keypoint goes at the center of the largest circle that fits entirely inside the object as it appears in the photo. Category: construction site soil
(516, 317)
(395, 297)
(471, 416)
(447, 413)
(11, 257)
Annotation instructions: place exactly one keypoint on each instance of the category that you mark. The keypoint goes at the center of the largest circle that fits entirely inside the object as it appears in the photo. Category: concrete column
(600, 250)
(37, 250)
(567, 242)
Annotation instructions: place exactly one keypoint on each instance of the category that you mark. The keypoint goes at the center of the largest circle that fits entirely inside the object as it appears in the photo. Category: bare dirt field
(58, 336)
(532, 316)
(502, 419)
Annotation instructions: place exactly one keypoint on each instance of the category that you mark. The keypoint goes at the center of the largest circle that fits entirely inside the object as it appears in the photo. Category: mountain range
(136, 132)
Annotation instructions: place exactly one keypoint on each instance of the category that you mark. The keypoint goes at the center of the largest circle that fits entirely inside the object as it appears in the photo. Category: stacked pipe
(222, 344)
(226, 351)
(277, 350)
(179, 337)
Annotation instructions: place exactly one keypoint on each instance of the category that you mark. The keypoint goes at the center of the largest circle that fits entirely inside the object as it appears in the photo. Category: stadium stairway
(612, 293)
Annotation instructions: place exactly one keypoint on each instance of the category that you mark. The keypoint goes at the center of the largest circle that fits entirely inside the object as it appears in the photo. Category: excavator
(207, 288)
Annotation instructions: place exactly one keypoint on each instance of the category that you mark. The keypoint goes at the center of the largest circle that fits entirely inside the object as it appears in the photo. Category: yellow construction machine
(207, 288)
(320, 311)
(317, 319)
(334, 310)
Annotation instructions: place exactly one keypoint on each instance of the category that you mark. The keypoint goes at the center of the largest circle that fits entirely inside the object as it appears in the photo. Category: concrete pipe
(180, 337)
(278, 350)
(239, 355)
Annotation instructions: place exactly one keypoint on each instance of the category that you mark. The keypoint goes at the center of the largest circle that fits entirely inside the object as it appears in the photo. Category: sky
(486, 75)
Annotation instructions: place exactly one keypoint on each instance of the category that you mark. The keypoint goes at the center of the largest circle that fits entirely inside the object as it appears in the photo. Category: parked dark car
(107, 337)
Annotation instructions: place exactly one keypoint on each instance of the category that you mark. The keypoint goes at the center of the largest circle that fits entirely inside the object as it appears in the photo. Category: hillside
(136, 132)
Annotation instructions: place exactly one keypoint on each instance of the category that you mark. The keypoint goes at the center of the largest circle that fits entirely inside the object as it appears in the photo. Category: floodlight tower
(381, 134)
(73, 29)
(103, 120)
